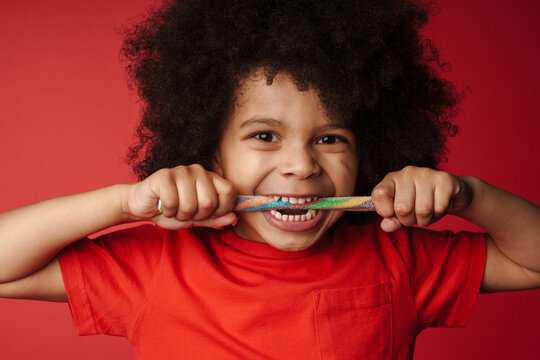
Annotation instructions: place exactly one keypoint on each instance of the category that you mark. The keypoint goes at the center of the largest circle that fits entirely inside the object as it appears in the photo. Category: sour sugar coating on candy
(347, 203)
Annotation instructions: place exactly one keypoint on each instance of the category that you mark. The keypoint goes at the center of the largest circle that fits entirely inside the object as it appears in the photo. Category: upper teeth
(295, 200)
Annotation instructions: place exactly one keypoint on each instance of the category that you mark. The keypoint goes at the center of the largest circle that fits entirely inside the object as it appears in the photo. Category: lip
(294, 226)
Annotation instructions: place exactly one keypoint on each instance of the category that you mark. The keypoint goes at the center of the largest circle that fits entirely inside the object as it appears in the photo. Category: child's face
(279, 141)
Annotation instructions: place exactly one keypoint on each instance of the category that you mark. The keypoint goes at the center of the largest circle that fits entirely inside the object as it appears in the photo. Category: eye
(331, 139)
(265, 136)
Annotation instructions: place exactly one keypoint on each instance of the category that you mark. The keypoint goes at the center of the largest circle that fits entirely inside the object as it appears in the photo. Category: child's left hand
(419, 196)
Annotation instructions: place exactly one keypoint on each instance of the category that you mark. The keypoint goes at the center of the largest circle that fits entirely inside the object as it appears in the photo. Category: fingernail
(235, 222)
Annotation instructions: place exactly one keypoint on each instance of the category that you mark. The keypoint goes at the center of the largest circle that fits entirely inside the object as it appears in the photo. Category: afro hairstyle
(372, 69)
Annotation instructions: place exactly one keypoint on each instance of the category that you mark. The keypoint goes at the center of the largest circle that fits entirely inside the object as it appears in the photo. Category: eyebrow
(334, 126)
(261, 121)
(277, 123)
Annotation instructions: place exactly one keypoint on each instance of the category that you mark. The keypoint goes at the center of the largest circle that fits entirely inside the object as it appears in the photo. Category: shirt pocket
(354, 323)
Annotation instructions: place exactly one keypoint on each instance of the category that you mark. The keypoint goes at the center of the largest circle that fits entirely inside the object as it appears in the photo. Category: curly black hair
(372, 70)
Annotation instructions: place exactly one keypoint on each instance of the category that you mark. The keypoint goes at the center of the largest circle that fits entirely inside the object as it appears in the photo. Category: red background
(66, 119)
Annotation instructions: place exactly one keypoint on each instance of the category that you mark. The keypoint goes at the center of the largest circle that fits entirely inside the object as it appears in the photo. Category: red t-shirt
(358, 293)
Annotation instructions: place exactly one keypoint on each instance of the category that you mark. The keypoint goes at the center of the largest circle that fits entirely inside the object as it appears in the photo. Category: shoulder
(124, 239)
(149, 241)
(139, 243)
(410, 242)
(146, 235)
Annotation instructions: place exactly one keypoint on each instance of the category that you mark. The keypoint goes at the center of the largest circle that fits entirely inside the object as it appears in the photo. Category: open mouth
(292, 219)
(294, 214)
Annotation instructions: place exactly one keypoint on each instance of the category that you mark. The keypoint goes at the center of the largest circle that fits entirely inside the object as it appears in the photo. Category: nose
(299, 162)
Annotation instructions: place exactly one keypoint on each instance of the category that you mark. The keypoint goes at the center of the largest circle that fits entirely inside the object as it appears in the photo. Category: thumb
(171, 223)
(219, 222)
(391, 224)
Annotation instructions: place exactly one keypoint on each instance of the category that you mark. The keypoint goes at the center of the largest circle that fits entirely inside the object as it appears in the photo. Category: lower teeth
(310, 214)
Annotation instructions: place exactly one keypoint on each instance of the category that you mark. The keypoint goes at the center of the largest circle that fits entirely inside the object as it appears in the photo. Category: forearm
(512, 222)
(32, 235)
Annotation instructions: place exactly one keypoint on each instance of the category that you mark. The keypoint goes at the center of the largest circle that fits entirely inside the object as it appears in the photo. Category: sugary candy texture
(347, 203)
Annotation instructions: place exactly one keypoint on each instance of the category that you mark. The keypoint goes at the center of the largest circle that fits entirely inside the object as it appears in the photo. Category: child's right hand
(190, 196)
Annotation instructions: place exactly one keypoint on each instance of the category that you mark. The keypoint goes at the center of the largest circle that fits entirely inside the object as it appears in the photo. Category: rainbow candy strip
(347, 203)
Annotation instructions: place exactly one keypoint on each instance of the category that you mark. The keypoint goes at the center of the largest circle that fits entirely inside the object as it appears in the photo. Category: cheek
(245, 171)
(343, 172)
(351, 172)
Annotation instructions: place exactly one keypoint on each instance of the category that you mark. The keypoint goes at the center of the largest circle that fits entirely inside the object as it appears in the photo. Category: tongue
(293, 211)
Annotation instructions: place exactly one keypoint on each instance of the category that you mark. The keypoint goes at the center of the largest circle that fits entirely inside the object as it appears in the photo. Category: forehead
(280, 100)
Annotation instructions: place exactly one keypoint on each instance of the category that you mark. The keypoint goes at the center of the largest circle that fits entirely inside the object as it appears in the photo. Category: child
(284, 124)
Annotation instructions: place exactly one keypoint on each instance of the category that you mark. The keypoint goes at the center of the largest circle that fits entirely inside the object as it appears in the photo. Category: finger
(187, 194)
(217, 223)
(391, 224)
(207, 199)
(383, 197)
(404, 201)
(168, 194)
(442, 199)
(424, 202)
(226, 195)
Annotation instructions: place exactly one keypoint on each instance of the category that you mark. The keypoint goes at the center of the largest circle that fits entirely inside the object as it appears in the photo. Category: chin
(291, 245)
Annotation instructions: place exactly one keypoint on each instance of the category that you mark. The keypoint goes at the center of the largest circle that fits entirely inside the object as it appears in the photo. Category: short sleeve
(446, 271)
(107, 279)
